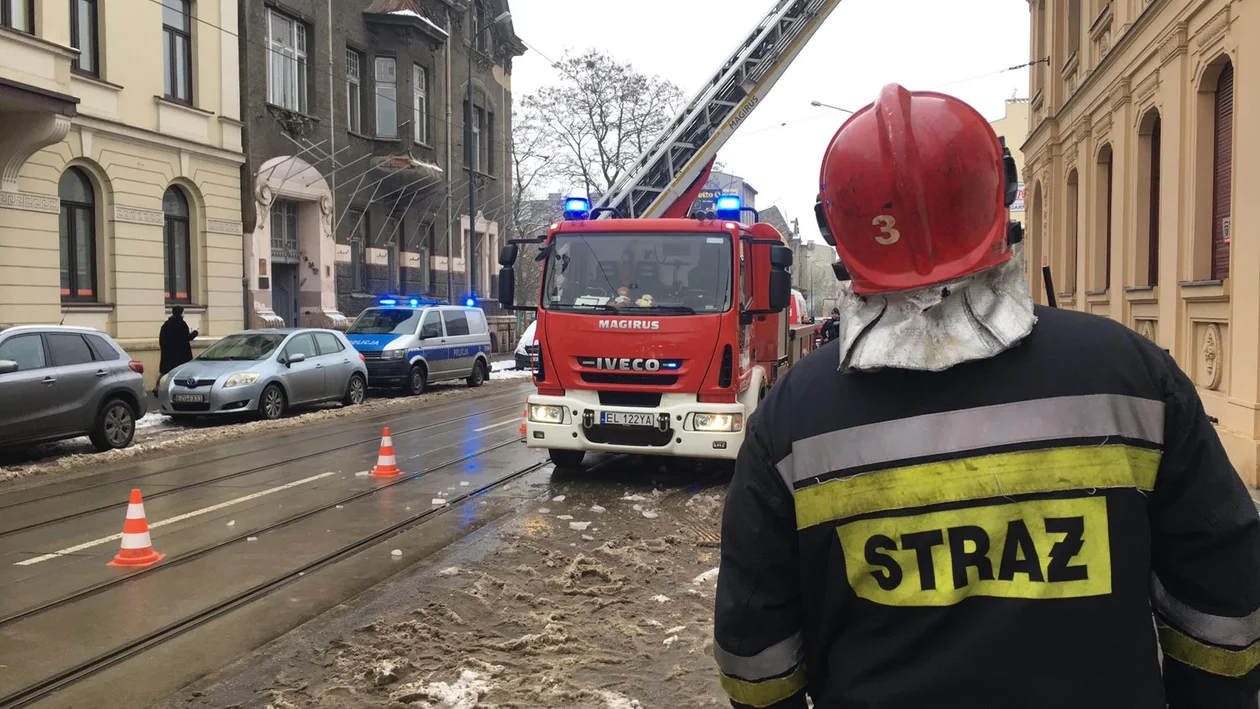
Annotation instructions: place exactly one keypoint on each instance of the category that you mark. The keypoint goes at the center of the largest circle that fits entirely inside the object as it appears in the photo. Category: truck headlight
(543, 413)
(718, 423)
(240, 380)
(393, 354)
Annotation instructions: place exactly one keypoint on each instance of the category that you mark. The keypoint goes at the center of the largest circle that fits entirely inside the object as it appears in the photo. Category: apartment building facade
(120, 154)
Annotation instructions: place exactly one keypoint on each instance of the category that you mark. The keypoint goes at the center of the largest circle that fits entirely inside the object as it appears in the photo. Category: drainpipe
(450, 214)
(332, 150)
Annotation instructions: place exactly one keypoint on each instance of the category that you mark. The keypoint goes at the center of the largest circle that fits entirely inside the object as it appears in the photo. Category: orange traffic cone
(524, 417)
(386, 464)
(137, 548)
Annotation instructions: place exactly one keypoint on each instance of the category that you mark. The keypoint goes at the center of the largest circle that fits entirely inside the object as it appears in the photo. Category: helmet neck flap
(940, 326)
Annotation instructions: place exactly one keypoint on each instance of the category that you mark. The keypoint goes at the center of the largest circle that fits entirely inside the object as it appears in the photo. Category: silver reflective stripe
(1065, 417)
(1213, 629)
(775, 660)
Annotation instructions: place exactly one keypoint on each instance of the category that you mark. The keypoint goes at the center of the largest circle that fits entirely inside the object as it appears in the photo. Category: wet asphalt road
(230, 518)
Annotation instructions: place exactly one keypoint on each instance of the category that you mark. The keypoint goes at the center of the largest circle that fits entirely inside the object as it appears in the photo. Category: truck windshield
(385, 321)
(665, 273)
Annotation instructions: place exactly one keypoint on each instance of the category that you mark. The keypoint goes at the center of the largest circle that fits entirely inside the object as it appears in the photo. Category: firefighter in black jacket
(972, 512)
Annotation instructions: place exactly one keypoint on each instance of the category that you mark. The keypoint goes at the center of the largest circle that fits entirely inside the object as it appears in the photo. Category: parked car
(526, 348)
(421, 342)
(61, 382)
(266, 372)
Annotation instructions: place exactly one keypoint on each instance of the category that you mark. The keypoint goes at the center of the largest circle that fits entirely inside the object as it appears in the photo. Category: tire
(566, 459)
(115, 426)
(271, 403)
(479, 375)
(417, 380)
(356, 391)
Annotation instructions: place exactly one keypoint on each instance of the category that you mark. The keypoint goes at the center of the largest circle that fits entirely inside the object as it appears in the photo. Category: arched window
(178, 247)
(1149, 148)
(1071, 232)
(479, 22)
(1222, 171)
(1102, 220)
(78, 237)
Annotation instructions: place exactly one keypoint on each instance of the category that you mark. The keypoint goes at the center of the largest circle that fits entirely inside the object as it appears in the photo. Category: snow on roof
(422, 18)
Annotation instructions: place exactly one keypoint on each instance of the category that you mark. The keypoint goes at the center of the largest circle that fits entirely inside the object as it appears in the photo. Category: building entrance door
(284, 292)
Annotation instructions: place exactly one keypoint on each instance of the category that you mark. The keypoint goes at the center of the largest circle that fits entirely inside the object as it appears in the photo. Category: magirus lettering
(629, 324)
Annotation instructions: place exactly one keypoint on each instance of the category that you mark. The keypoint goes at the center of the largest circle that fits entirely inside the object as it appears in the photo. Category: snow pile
(579, 526)
(710, 575)
(464, 693)
(705, 506)
(507, 370)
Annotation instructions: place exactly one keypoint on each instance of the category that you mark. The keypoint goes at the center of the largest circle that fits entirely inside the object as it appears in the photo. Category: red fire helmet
(914, 191)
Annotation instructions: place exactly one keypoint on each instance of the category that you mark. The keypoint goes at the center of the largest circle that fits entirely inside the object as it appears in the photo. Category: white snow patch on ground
(464, 693)
(153, 419)
(544, 510)
(660, 598)
(437, 501)
(706, 577)
(507, 370)
(579, 526)
(612, 700)
(558, 498)
(671, 640)
(597, 509)
(650, 514)
(634, 498)
(449, 571)
(676, 630)
(566, 518)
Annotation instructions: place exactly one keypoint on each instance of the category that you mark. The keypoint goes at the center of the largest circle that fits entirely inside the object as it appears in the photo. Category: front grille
(635, 379)
(639, 399)
(629, 436)
(371, 355)
(194, 383)
(177, 406)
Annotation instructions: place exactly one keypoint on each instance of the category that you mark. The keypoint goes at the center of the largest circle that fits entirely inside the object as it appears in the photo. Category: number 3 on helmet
(915, 190)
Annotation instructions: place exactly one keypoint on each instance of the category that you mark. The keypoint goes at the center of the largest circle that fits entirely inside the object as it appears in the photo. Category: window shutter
(1222, 173)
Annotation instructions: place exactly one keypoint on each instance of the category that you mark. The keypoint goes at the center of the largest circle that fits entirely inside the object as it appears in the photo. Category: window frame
(435, 314)
(52, 352)
(378, 86)
(76, 7)
(43, 348)
(285, 352)
(295, 55)
(327, 335)
(168, 247)
(6, 15)
(71, 239)
(173, 66)
(354, 91)
(420, 104)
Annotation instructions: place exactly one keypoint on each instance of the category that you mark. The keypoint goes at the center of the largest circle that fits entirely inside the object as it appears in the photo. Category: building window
(354, 91)
(419, 104)
(286, 62)
(78, 236)
(18, 15)
(386, 97)
(83, 36)
(177, 49)
(1074, 26)
(1222, 170)
(1148, 196)
(178, 247)
(1073, 231)
(358, 250)
(1102, 247)
(479, 21)
(284, 225)
(1039, 46)
(477, 148)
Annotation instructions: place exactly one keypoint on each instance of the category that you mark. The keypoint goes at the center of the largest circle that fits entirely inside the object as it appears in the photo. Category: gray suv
(61, 382)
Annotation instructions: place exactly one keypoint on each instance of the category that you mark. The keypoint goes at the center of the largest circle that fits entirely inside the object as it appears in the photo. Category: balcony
(36, 100)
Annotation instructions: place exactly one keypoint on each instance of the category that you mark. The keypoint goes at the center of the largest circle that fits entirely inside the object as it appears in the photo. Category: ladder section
(665, 171)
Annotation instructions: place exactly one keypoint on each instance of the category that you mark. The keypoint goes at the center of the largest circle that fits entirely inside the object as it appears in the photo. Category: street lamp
(472, 168)
(827, 105)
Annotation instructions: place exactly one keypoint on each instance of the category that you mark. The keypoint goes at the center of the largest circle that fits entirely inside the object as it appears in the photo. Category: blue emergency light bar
(470, 302)
(728, 206)
(387, 301)
(408, 302)
(577, 208)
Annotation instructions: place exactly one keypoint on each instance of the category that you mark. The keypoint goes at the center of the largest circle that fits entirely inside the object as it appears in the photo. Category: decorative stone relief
(23, 137)
(1174, 45)
(1122, 95)
(1213, 28)
(136, 215)
(1211, 356)
(262, 192)
(1146, 328)
(325, 204)
(30, 202)
(223, 226)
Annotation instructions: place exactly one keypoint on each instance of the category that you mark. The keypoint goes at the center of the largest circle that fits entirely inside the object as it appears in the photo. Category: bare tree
(530, 211)
(601, 116)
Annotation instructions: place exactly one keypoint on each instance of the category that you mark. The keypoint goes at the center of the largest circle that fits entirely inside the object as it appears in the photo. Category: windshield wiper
(674, 308)
(574, 306)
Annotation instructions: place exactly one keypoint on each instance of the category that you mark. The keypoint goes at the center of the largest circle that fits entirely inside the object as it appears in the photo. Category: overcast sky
(864, 44)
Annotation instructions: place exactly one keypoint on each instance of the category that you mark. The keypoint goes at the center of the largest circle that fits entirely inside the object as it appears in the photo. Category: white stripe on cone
(136, 541)
(386, 460)
(388, 441)
(135, 511)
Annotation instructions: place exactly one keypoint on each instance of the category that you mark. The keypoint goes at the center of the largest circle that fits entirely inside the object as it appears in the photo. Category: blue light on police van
(728, 203)
(388, 301)
(415, 302)
(470, 302)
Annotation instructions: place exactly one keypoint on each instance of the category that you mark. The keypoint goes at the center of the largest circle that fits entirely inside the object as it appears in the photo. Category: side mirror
(780, 257)
(295, 359)
(507, 255)
(780, 289)
(507, 283)
(8, 366)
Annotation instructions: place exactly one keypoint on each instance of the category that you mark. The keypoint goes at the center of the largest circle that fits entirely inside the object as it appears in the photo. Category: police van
(410, 343)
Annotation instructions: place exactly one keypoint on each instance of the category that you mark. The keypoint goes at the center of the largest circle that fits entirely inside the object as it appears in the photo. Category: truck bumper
(582, 431)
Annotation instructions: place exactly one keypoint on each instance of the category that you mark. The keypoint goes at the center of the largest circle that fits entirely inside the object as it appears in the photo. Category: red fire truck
(659, 332)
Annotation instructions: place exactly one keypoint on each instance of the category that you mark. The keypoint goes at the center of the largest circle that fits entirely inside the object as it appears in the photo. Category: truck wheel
(478, 375)
(565, 458)
(417, 380)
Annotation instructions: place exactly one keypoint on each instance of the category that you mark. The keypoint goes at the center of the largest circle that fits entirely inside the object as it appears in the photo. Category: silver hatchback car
(61, 382)
(266, 372)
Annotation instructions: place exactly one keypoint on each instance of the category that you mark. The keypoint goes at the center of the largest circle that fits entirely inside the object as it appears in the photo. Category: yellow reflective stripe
(1214, 660)
(766, 692)
(978, 478)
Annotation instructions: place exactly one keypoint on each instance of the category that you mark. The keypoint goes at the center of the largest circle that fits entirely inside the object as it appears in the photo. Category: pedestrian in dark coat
(175, 341)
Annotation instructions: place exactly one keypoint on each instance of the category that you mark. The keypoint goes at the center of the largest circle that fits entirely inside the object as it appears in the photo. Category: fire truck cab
(654, 336)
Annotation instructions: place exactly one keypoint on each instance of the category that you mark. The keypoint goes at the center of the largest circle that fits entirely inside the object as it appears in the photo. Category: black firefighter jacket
(1024, 532)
